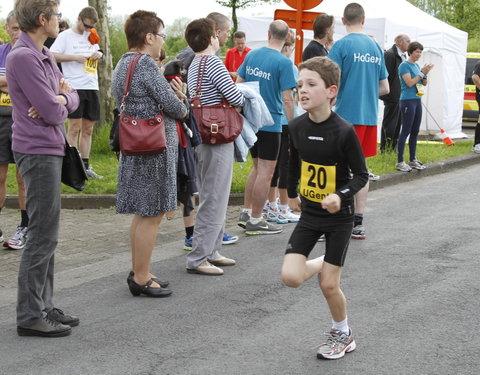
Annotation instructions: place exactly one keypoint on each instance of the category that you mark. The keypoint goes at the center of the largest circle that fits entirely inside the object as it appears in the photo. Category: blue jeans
(42, 176)
(411, 113)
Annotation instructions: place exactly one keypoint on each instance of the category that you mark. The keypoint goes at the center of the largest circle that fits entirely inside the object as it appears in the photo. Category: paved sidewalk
(93, 242)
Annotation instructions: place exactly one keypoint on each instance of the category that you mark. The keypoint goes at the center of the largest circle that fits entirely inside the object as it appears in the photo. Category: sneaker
(19, 239)
(62, 318)
(287, 216)
(403, 167)
(272, 215)
(187, 246)
(262, 227)
(45, 327)
(476, 148)
(229, 239)
(265, 209)
(1, 236)
(244, 217)
(338, 343)
(92, 174)
(372, 176)
(416, 164)
(322, 238)
(358, 232)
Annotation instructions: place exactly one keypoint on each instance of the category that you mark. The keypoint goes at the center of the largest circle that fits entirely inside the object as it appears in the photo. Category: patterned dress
(147, 184)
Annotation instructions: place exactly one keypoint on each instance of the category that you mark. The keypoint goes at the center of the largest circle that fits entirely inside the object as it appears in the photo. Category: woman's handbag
(219, 123)
(73, 169)
(140, 136)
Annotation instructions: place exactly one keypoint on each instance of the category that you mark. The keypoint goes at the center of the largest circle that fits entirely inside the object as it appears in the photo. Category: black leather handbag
(73, 169)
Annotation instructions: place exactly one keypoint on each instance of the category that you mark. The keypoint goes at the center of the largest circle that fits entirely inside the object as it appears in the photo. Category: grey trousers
(214, 170)
(42, 175)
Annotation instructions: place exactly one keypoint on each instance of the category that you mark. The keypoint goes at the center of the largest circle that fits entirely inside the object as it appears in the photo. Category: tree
(177, 28)
(240, 4)
(105, 69)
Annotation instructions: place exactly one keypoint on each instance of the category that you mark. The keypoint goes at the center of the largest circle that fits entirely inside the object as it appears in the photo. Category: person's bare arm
(383, 87)
(476, 80)
(60, 57)
(287, 98)
(3, 84)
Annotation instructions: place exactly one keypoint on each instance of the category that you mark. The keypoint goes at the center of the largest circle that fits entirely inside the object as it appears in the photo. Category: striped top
(216, 83)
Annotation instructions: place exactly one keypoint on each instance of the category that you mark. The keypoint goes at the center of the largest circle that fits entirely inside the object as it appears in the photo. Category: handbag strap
(128, 79)
(202, 66)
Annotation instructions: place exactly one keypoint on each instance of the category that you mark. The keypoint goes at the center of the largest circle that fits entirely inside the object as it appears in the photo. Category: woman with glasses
(42, 99)
(147, 184)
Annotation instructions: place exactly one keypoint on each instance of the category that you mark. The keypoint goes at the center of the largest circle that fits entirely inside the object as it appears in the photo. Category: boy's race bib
(317, 181)
(5, 99)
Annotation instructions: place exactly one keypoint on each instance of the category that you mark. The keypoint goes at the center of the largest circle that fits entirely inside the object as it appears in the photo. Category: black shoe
(146, 289)
(163, 284)
(60, 317)
(45, 327)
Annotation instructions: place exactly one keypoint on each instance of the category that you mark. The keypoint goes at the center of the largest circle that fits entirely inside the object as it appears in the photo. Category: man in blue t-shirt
(364, 77)
(274, 72)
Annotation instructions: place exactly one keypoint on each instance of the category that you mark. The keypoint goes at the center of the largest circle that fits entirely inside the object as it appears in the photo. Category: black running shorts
(89, 107)
(267, 146)
(309, 229)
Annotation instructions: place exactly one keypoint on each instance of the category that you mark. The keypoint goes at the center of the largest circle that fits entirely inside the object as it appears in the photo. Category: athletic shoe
(244, 217)
(262, 227)
(187, 246)
(403, 167)
(476, 148)
(92, 174)
(265, 209)
(372, 176)
(416, 164)
(1, 236)
(358, 232)
(338, 343)
(229, 239)
(287, 216)
(322, 238)
(19, 239)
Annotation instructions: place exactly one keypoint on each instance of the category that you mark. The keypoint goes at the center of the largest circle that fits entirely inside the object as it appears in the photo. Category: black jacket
(392, 61)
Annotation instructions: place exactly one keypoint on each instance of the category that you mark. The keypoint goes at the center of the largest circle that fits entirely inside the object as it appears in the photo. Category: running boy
(324, 148)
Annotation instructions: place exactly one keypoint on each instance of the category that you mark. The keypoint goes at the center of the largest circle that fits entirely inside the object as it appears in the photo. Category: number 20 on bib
(317, 181)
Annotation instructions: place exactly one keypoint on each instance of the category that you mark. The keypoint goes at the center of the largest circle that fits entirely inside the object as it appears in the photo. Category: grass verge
(105, 163)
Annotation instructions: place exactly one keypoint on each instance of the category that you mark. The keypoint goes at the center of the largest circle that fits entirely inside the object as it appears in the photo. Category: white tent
(445, 46)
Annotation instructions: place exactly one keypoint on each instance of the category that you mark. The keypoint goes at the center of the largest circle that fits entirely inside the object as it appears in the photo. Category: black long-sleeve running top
(322, 156)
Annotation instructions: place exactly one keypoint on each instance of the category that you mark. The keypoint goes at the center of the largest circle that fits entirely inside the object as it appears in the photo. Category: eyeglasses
(59, 15)
(87, 26)
(163, 36)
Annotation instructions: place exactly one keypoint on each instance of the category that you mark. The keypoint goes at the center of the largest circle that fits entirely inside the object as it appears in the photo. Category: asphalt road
(412, 289)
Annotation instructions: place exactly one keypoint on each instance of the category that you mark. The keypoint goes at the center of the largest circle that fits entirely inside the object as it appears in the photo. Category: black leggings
(279, 178)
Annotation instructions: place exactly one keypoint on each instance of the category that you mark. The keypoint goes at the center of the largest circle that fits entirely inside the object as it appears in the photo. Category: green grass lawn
(105, 163)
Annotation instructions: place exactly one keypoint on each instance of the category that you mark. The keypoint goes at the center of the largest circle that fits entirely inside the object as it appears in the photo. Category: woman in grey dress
(147, 183)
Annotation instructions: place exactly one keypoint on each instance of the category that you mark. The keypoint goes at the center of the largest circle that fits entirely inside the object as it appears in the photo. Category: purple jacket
(33, 80)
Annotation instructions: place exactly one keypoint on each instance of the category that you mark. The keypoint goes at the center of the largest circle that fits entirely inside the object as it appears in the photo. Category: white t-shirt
(81, 76)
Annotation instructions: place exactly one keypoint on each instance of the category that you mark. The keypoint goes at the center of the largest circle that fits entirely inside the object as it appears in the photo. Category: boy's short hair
(327, 69)
(199, 33)
(413, 47)
(353, 14)
(90, 13)
(321, 25)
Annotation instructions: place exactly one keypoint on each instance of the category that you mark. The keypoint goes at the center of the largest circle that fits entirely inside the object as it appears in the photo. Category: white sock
(255, 220)
(273, 205)
(248, 211)
(341, 326)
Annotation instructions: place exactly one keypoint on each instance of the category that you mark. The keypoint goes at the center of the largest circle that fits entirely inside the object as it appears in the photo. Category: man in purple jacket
(42, 99)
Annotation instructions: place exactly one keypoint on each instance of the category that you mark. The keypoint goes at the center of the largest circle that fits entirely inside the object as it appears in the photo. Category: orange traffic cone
(447, 141)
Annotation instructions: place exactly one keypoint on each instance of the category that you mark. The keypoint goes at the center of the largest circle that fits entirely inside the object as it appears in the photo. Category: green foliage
(241, 4)
(462, 14)
(3, 34)
(174, 44)
(177, 28)
(118, 40)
